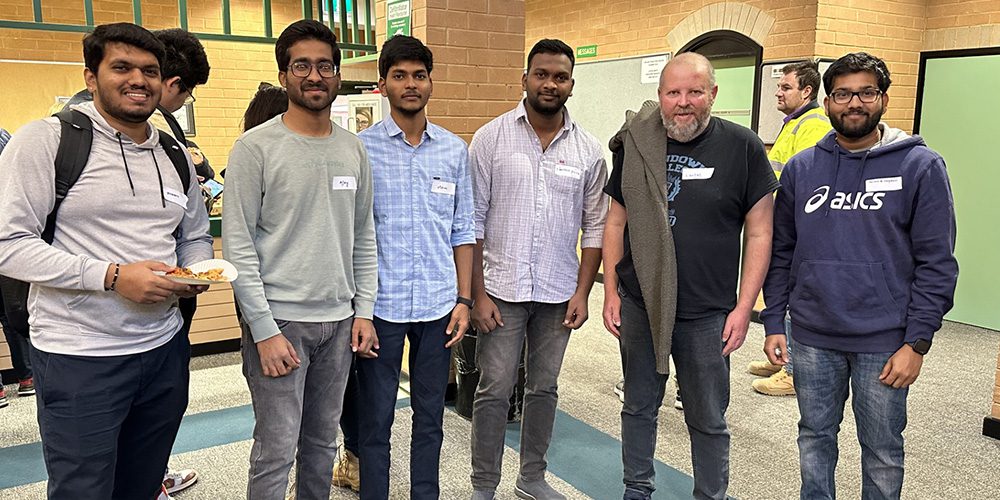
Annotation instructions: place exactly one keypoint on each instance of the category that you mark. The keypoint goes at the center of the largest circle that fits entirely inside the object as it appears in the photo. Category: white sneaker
(620, 390)
(175, 480)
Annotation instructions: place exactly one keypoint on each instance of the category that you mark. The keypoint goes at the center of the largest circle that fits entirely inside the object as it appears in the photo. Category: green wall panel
(735, 77)
(959, 119)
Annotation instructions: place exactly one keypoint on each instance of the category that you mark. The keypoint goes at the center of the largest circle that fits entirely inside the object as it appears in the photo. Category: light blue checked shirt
(423, 208)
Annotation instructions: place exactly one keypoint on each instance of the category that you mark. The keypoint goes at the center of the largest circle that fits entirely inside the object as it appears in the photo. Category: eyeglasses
(190, 99)
(867, 96)
(304, 69)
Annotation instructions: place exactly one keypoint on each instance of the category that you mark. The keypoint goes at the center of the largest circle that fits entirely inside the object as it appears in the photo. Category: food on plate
(214, 274)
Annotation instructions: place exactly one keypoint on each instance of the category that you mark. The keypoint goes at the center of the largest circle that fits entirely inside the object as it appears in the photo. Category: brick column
(479, 54)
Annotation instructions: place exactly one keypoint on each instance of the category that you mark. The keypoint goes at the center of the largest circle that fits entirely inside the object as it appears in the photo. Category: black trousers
(108, 423)
(17, 342)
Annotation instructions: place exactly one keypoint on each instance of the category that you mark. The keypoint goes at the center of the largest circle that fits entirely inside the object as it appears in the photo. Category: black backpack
(77, 135)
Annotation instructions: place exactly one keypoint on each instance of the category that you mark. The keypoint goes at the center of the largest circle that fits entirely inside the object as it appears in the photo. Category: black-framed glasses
(190, 99)
(302, 69)
(866, 96)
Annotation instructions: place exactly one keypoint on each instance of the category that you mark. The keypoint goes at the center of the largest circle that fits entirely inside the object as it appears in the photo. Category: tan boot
(779, 384)
(763, 368)
(346, 471)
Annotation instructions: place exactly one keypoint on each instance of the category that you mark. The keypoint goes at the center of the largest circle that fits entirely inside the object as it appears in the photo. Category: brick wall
(478, 50)
(237, 68)
(961, 24)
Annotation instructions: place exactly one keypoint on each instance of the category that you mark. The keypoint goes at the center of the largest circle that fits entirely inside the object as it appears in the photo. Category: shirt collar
(521, 112)
(393, 130)
(809, 106)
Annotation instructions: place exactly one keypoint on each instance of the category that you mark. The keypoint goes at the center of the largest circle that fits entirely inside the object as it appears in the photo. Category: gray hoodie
(103, 220)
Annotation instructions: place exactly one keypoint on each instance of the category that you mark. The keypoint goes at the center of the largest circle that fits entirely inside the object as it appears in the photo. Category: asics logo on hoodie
(844, 201)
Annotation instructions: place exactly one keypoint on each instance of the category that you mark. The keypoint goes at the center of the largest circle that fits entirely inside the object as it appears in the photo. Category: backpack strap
(176, 154)
(76, 137)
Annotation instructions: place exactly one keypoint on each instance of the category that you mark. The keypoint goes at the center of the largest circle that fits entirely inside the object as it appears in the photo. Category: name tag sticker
(568, 171)
(694, 174)
(884, 184)
(443, 187)
(176, 197)
(345, 183)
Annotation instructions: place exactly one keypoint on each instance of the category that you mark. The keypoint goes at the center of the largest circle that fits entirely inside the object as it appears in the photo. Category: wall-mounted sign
(649, 70)
(586, 51)
(397, 17)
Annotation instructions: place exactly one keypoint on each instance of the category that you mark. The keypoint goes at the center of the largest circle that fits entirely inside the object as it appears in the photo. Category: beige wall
(896, 30)
(237, 68)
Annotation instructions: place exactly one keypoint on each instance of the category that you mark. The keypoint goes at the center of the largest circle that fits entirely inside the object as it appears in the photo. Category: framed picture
(185, 117)
(364, 110)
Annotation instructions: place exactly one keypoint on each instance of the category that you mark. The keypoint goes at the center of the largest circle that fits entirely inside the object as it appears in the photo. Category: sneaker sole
(182, 486)
(3, 403)
(767, 392)
(519, 493)
(26, 393)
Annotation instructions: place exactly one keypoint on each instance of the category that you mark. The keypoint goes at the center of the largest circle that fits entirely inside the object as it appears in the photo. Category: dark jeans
(349, 419)
(497, 354)
(703, 373)
(17, 342)
(823, 378)
(108, 423)
(378, 381)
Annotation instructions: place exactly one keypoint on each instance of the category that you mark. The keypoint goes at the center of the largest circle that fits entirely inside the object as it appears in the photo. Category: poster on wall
(397, 18)
(364, 110)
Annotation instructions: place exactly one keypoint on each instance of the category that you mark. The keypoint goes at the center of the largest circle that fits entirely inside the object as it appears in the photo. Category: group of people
(347, 246)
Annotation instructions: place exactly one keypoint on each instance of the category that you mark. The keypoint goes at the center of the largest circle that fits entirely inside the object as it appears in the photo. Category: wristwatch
(921, 346)
(463, 300)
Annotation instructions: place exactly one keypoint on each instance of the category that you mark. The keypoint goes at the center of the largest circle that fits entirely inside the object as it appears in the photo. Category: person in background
(805, 124)
(425, 235)
(121, 343)
(670, 285)
(363, 118)
(528, 281)
(299, 197)
(17, 342)
(863, 260)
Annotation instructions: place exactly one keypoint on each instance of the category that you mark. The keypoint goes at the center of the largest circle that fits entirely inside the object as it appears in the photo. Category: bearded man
(693, 183)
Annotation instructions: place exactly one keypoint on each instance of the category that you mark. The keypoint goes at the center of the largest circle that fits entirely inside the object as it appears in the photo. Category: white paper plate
(228, 272)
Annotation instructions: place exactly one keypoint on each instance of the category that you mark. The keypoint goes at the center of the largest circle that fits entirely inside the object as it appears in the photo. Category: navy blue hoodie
(863, 253)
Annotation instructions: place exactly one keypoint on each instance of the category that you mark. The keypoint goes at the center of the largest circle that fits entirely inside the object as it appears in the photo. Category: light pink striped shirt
(530, 206)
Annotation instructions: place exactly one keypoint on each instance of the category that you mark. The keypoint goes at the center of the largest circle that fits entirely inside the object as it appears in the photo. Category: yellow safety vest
(801, 132)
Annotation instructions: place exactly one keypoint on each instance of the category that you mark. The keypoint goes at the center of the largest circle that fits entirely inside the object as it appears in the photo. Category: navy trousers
(378, 380)
(108, 423)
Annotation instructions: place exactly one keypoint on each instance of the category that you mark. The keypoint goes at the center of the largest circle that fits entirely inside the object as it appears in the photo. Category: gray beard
(686, 133)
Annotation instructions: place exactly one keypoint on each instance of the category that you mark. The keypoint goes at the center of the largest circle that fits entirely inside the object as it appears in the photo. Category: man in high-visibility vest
(805, 124)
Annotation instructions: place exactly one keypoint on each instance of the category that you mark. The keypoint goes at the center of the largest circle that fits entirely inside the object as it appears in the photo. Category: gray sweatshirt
(297, 224)
(101, 221)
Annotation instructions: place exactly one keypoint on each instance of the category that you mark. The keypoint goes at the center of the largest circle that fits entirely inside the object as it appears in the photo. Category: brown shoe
(346, 471)
(779, 384)
(763, 368)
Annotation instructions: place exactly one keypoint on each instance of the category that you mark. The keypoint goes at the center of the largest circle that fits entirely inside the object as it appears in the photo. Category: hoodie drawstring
(163, 197)
(125, 161)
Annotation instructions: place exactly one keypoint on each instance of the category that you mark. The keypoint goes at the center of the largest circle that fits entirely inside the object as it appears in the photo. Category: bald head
(688, 62)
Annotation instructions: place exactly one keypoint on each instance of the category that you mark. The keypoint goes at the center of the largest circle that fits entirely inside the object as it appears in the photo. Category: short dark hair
(858, 62)
(806, 75)
(127, 33)
(305, 29)
(185, 57)
(268, 102)
(551, 46)
(403, 48)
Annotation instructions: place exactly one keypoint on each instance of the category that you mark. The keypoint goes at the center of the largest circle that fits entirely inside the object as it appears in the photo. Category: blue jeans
(297, 414)
(823, 379)
(788, 343)
(378, 384)
(703, 373)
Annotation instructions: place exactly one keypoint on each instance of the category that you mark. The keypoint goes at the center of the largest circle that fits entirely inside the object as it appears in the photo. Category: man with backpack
(112, 373)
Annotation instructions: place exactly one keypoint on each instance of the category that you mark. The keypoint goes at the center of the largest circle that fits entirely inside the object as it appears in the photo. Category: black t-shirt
(712, 182)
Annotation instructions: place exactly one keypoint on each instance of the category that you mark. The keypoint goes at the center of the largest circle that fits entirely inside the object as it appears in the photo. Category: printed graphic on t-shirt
(677, 170)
